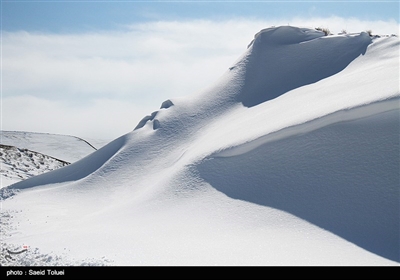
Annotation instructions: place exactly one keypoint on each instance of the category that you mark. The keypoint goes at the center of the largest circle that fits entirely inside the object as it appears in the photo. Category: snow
(27, 154)
(303, 55)
(63, 147)
(20, 164)
(347, 177)
(291, 158)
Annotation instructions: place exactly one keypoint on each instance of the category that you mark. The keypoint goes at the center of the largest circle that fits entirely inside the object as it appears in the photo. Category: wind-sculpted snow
(309, 176)
(284, 58)
(146, 119)
(336, 117)
(342, 177)
(156, 123)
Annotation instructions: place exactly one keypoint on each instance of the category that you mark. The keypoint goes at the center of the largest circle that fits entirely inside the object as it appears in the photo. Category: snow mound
(156, 123)
(166, 104)
(285, 35)
(284, 58)
(146, 119)
(291, 158)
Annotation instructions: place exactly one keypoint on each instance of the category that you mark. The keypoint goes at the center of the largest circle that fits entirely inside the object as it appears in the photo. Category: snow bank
(291, 158)
(342, 177)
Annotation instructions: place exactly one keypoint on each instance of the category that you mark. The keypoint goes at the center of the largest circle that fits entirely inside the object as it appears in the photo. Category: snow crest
(284, 58)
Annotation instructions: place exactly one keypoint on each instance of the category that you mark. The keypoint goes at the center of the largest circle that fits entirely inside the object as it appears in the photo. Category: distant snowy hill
(64, 147)
(27, 154)
(291, 158)
(20, 164)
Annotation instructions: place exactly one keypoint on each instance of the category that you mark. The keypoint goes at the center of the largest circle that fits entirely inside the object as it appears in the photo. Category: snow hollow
(290, 158)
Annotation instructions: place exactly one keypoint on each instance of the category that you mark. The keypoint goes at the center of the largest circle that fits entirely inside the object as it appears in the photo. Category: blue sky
(81, 16)
(94, 68)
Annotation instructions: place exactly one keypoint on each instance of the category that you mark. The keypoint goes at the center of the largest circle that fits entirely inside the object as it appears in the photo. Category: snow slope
(291, 158)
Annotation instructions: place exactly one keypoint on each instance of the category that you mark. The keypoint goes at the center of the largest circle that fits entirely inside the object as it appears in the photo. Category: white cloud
(103, 118)
(121, 71)
(336, 24)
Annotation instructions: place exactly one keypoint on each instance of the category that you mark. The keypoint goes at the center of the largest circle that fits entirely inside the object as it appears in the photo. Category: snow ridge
(293, 57)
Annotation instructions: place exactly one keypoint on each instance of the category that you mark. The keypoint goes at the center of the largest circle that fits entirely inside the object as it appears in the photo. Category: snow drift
(293, 69)
(291, 158)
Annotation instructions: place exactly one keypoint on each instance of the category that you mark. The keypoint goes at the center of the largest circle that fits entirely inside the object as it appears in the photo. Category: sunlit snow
(291, 158)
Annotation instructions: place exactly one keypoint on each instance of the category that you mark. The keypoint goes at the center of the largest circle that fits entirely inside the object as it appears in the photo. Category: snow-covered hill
(27, 154)
(20, 164)
(63, 147)
(291, 158)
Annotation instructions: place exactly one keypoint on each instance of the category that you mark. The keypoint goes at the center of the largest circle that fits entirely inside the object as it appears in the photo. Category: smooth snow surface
(291, 158)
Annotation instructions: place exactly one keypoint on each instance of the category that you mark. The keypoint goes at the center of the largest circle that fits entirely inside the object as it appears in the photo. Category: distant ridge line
(50, 134)
(9, 147)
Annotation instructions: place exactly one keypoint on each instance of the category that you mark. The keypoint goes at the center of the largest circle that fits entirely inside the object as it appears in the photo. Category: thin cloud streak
(132, 70)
